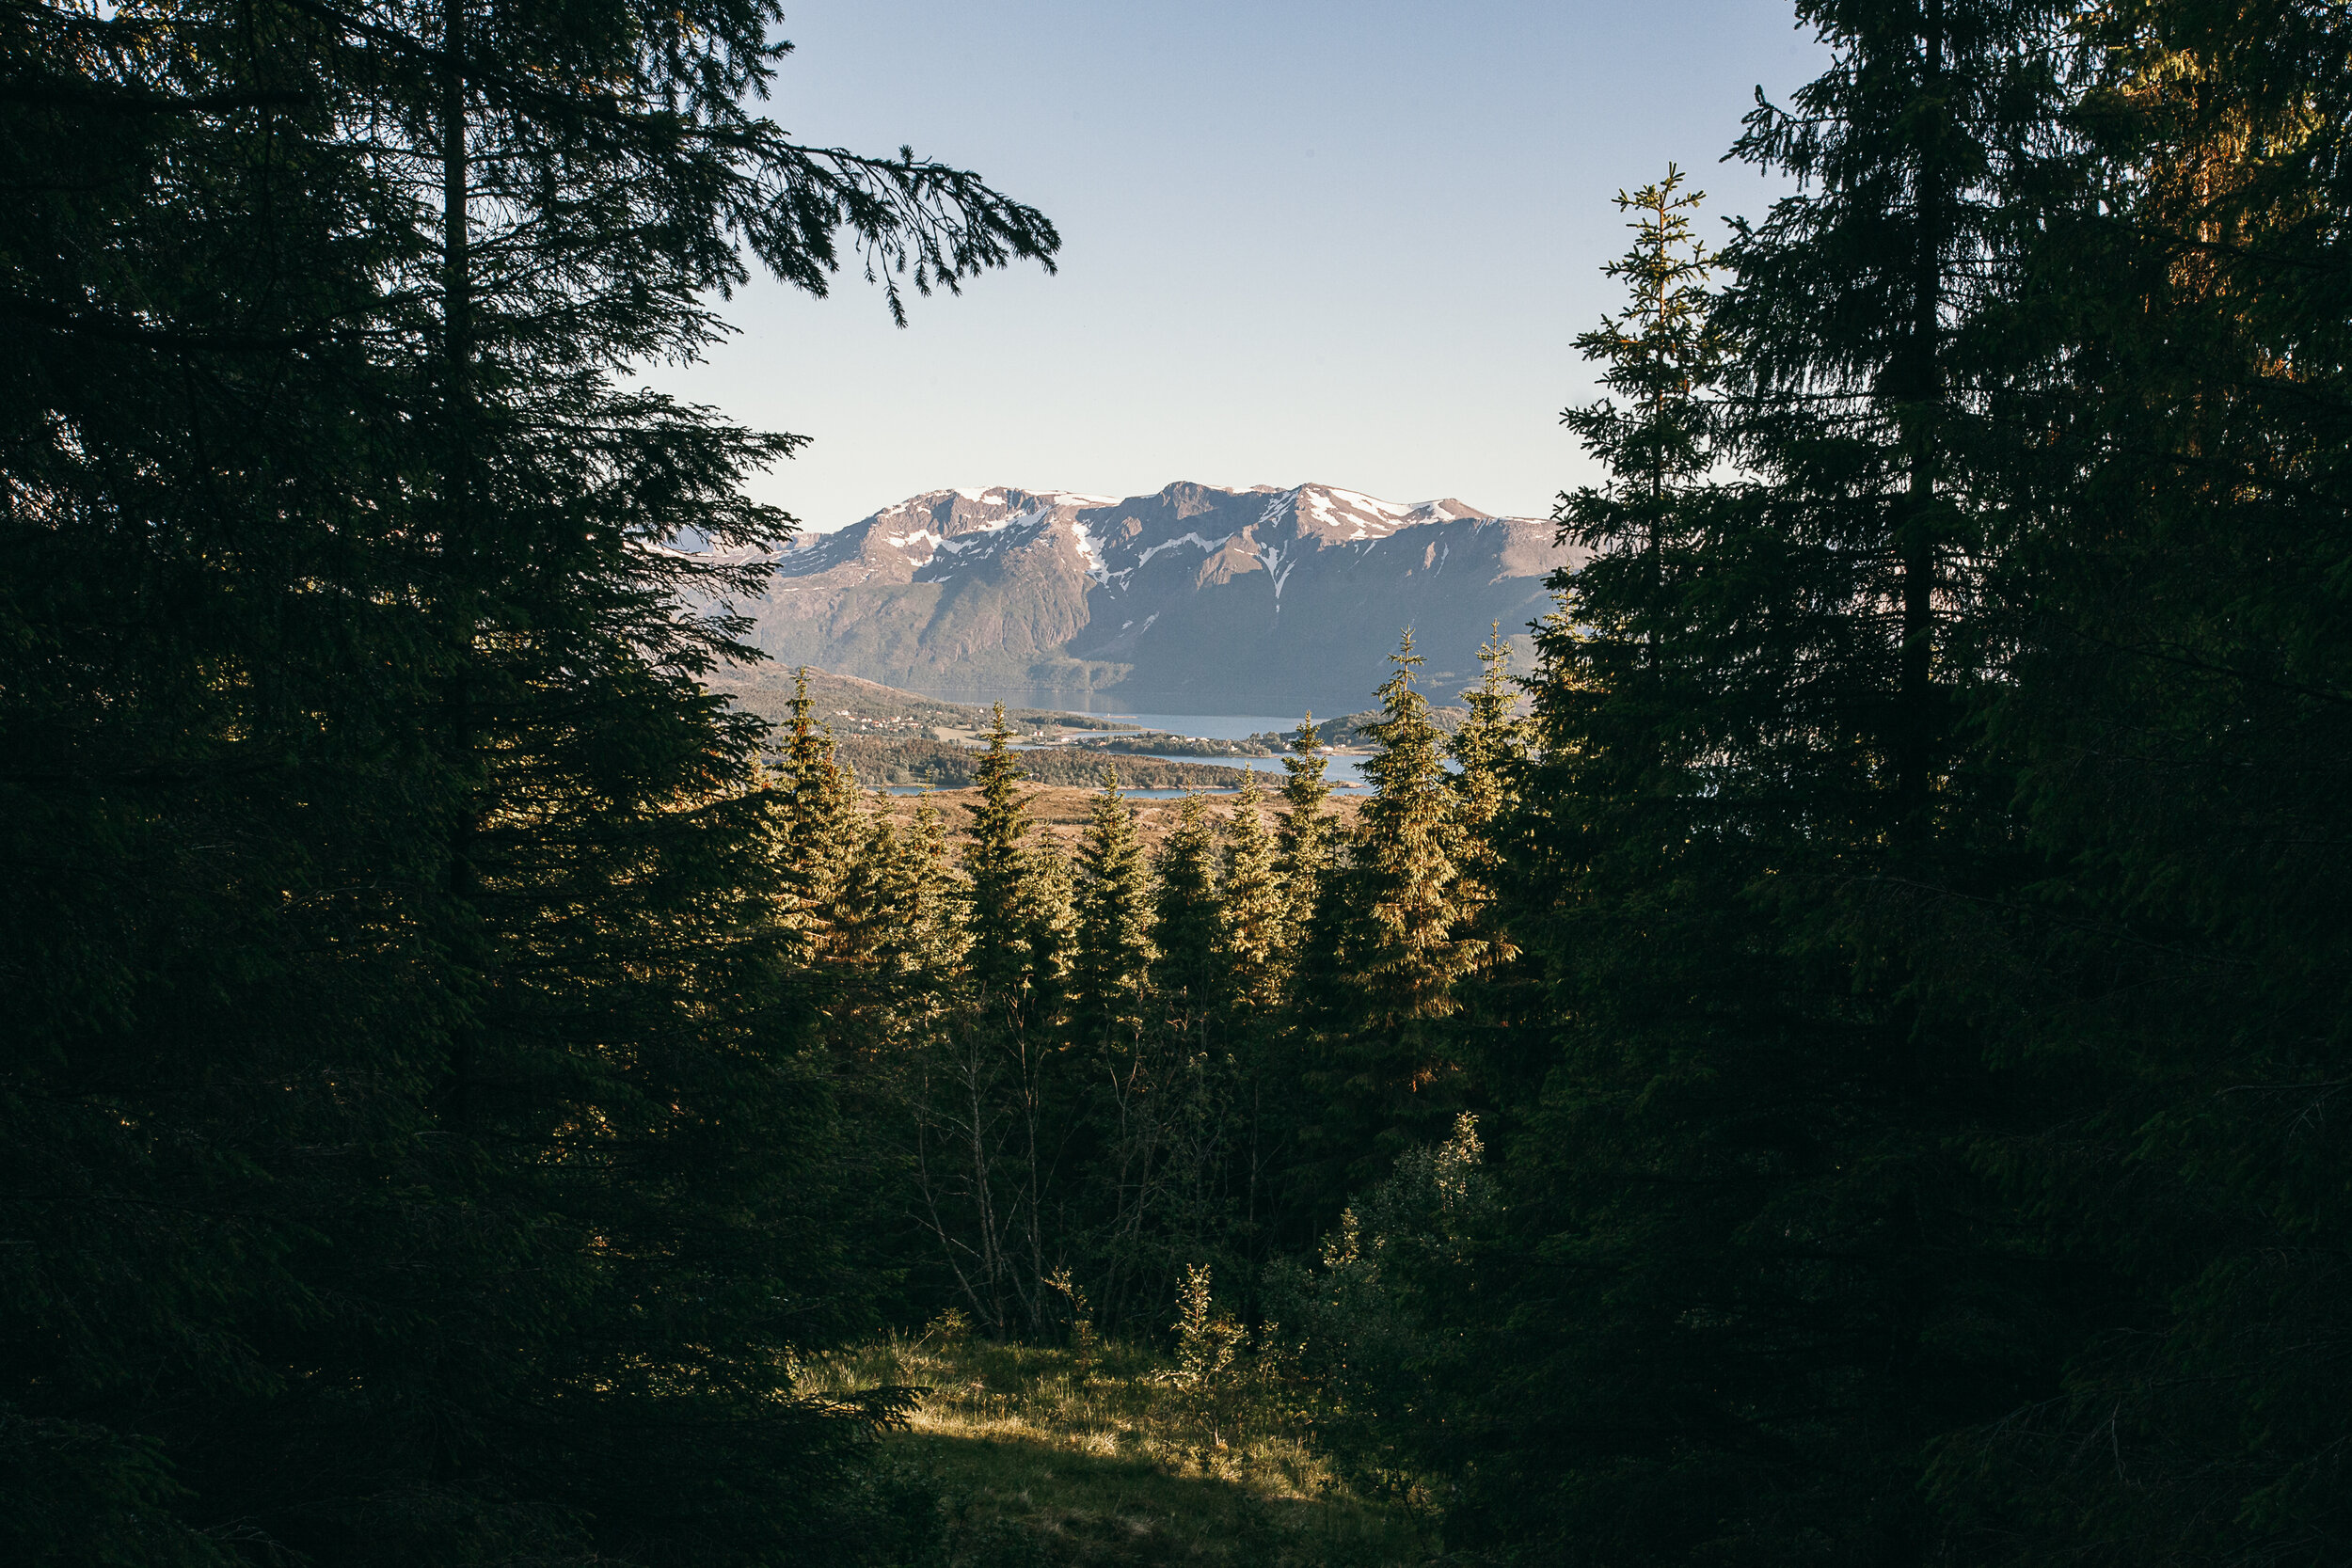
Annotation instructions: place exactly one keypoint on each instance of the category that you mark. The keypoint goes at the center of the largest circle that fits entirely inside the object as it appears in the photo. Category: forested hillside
(1833, 1064)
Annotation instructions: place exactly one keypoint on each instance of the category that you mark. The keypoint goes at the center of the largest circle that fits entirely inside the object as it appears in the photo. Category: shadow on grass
(1014, 1501)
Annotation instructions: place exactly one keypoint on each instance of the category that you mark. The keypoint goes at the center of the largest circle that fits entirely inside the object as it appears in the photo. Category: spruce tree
(1190, 1110)
(923, 941)
(1111, 958)
(1745, 1180)
(433, 1090)
(1253, 965)
(1187, 925)
(2175, 717)
(1498, 994)
(1385, 954)
(1405, 867)
(991, 1097)
(824, 835)
(1250, 912)
(1001, 870)
(1489, 752)
(1306, 833)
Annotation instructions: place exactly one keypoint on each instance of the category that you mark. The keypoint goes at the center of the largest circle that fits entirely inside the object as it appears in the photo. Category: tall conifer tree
(1306, 833)
(1001, 869)
(1253, 965)
(445, 1018)
(1250, 923)
(2177, 719)
(1405, 867)
(1187, 925)
(1754, 807)
(1111, 958)
(1386, 952)
(1489, 752)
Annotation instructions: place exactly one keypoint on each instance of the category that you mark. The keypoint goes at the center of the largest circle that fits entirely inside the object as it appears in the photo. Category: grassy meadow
(1042, 1460)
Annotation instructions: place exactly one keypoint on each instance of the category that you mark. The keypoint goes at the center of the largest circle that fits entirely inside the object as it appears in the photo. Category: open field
(1040, 1464)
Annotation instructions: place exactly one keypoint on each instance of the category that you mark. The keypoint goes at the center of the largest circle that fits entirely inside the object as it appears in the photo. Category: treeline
(890, 760)
(1079, 1076)
(1354, 730)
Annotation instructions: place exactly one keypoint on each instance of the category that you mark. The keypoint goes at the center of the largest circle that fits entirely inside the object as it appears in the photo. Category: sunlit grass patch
(1041, 1464)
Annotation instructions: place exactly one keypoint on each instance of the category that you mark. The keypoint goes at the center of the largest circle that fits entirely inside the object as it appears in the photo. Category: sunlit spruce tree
(1490, 752)
(1293, 1184)
(822, 835)
(1405, 865)
(1111, 956)
(1252, 969)
(993, 1102)
(1498, 996)
(1387, 949)
(1251, 910)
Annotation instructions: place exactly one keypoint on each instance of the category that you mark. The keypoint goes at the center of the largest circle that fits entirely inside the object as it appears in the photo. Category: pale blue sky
(1348, 243)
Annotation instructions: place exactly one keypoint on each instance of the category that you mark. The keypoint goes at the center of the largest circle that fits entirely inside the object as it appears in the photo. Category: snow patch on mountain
(1208, 546)
(1277, 570)
(1090, 551)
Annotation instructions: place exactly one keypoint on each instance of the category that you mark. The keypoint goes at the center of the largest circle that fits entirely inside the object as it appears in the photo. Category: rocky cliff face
(1194, 599)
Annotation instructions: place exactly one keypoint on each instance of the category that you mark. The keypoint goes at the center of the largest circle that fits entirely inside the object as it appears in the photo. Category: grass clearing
(1040, 1464)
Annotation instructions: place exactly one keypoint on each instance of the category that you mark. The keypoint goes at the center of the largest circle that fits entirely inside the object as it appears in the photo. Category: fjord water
(1230, 726)
(1203, 726)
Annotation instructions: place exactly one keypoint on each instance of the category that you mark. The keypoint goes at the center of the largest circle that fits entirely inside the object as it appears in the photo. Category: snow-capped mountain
(1261, 601)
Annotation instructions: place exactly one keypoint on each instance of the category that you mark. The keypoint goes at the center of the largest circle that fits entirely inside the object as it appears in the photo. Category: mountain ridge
(1263, 599)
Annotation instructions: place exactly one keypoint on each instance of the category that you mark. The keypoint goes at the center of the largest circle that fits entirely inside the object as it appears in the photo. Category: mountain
(1194, 599)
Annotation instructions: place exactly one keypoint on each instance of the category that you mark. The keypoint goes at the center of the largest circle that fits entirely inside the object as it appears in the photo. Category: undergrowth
(1046, 1456)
